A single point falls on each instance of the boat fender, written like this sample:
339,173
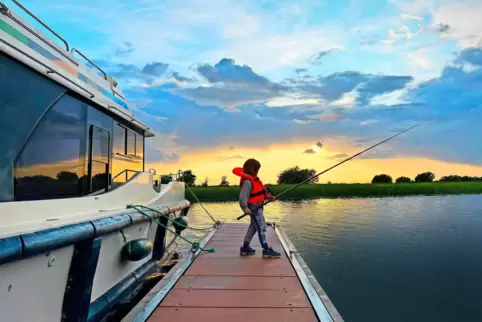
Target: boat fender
136,249
180,223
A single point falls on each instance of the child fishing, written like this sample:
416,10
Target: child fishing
252,196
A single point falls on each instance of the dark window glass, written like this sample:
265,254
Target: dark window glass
131,143
100,180
99,167
119,139
52,161
100,145
24,96
139,147
126,165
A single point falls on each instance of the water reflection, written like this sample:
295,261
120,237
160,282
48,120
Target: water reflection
385,259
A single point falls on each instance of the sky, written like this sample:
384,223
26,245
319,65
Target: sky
306,82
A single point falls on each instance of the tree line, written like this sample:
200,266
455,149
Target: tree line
423,177
295,175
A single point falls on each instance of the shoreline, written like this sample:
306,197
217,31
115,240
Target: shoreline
343,190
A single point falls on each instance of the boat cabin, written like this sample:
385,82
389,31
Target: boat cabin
65,128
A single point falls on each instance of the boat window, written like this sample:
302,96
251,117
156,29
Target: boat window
52,163
24,96
127,159
119,139
139,146
131,143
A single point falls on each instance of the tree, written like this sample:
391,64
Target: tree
425,177
224,182
382,178
451,178
205,182
189,177
296,175
403,180
66,176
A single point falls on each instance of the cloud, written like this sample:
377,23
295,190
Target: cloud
340,156
319,144
226,71
405,16
301,70
463,18
155,69
376,154
377,85
273,49
182,79
335,86
319,55
126,49
442,28
472,56
231,85
230,157
309,151
149,73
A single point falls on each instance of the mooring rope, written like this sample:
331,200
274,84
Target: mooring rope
195,246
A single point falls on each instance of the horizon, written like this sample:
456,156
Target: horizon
304,83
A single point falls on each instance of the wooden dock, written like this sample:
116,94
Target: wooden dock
225,286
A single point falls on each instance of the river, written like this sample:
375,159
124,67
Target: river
385,259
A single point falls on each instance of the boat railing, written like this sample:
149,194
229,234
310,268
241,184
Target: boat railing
125,172
74,50
5,10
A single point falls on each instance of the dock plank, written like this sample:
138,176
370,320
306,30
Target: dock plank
237,315
225,286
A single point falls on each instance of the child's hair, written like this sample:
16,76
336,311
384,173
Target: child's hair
251,167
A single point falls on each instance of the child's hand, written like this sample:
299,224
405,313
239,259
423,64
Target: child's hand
248,212
272,198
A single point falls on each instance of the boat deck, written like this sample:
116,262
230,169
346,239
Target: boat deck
225,286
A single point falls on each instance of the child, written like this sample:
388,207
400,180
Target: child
253,194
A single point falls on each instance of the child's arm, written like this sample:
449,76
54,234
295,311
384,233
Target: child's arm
244,196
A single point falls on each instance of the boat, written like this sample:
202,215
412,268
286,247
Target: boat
82,221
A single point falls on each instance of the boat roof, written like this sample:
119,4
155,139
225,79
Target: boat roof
22,41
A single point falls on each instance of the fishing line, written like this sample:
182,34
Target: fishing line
336,165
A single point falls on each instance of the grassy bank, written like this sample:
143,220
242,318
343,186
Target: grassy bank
344,190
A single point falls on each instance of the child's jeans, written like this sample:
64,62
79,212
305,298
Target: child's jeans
258,224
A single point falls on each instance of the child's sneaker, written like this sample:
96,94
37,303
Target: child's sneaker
246,251
270,253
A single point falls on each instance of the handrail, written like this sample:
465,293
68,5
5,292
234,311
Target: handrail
49,69
74,50
42,23
125,171
5,10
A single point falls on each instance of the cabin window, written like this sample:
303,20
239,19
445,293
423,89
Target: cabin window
128,158
24,96
51,164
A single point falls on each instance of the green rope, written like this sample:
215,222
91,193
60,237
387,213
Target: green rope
177,223
195,246
217,222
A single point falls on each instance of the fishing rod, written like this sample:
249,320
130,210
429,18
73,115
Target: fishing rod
336,165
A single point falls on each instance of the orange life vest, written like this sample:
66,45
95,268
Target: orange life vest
258,192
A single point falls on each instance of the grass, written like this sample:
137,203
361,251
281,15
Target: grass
311,191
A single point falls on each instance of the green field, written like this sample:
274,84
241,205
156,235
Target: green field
311,191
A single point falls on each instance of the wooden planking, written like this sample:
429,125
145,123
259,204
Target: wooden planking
236,298
234,315
225,286
239,283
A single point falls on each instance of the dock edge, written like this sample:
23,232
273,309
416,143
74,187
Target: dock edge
322,305
165,285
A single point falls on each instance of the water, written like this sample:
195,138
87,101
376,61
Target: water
385,259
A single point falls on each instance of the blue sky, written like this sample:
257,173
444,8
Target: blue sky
232,73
